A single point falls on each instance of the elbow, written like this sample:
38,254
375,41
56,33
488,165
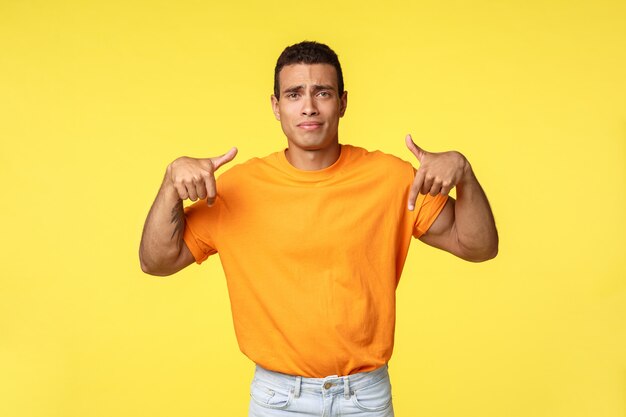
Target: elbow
482,257
484,253
494,247
146,268
152,269
487,255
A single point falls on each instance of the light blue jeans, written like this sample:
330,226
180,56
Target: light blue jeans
366,394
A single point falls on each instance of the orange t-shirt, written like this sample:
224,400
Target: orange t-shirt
312,258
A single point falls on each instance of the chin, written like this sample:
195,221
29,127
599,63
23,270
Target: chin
314,146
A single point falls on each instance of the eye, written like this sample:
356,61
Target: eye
324,94
291,95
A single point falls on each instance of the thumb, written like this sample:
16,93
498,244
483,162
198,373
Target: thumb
221,160
415,150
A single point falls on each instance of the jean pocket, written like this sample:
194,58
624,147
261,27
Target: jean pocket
375,397
270,396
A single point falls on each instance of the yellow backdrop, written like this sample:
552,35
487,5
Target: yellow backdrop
96,98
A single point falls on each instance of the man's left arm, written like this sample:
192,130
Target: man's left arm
465,227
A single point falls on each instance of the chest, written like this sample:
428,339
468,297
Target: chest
317,218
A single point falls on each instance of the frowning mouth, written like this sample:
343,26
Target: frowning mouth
309,125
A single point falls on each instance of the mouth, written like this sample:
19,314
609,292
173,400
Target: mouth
310,125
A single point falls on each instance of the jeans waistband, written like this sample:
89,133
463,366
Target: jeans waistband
332,382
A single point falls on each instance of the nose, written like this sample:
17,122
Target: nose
308,106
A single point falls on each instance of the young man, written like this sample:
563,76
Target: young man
313,240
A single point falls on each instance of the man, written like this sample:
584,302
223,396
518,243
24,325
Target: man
313,240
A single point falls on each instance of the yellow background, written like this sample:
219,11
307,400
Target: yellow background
96,98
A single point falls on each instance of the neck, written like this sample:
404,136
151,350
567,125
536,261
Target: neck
313,160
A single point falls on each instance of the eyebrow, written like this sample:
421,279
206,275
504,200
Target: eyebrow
316,87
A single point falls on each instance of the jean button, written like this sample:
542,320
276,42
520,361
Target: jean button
327,385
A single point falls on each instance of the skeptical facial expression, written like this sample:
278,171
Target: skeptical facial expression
309,106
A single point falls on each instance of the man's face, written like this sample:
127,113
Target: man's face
309,107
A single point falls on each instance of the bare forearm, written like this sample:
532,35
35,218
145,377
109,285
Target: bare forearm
162,237
474,223
162,250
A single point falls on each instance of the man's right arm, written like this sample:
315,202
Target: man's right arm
162,250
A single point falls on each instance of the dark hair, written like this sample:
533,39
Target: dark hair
307,52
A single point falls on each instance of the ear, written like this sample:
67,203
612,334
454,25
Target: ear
275,108
343,103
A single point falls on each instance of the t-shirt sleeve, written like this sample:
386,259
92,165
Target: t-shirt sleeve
199,221
428,208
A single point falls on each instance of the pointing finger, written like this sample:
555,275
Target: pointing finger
209,181
415,189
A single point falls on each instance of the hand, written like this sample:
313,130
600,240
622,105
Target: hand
438,172
194,178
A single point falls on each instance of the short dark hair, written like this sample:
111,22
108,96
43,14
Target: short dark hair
307,52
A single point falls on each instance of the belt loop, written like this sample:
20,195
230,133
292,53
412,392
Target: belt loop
297,387
346,387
